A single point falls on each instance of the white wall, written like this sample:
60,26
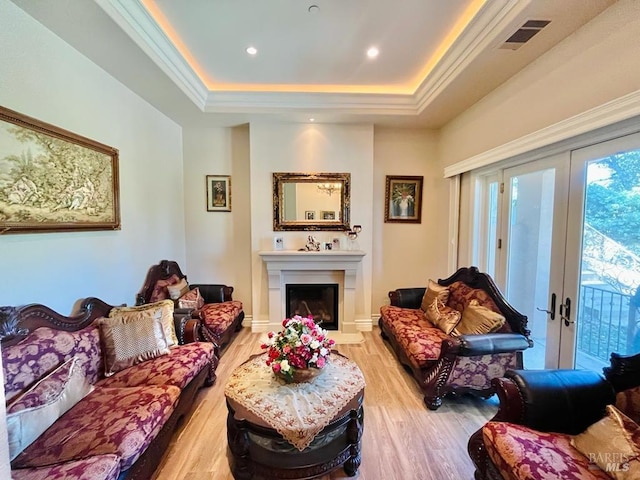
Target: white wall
596,64
309,148
45,78
218,243
407,255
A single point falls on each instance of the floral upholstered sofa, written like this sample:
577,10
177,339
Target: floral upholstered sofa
455,335
95,395
564,424
221,316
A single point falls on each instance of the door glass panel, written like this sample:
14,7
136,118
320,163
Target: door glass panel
492,229
608,313
529,254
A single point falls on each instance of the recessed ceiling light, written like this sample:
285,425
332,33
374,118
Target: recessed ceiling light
312,120
252,50
372,52
314,9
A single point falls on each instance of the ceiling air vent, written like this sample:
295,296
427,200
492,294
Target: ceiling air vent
525,33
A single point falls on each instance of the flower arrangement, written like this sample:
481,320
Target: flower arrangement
301,345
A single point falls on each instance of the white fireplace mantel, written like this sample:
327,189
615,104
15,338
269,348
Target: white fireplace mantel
327,266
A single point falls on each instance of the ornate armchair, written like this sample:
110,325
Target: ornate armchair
444,363
541,411
220,316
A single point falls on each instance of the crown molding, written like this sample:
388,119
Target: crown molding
484,29
273,102
618,110
134,19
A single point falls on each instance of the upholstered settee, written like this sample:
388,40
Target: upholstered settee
95,395
446,357
561,424
220,316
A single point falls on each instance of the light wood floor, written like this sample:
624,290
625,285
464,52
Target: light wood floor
402,440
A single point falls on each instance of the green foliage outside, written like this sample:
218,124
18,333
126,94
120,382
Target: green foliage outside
613,204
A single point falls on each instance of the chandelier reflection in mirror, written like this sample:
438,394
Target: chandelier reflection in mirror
329,188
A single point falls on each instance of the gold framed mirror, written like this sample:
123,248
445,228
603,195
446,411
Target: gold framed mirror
311,201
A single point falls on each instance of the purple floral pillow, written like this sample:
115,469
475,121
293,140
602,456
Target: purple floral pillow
38,408
160,291
46,390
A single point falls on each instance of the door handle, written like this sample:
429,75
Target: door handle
567,312
552,312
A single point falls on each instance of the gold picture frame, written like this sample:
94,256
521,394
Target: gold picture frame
218,193
403,199
53,180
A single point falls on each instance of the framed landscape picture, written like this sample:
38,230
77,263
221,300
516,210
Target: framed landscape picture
53,180
218,193
403,199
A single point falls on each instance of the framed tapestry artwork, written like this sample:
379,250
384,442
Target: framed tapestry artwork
218,193
403,199
53,180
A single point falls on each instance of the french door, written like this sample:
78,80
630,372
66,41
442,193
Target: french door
531,248
603,274
568,252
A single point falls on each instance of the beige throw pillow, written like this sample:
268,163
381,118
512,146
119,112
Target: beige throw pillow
443,317
434,290
178,289
165,309
609,444
191,299
129,338
477,320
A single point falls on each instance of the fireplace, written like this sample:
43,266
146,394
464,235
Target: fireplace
318,300
327,267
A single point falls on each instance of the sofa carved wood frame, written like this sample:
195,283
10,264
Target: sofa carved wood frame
16,323
433,377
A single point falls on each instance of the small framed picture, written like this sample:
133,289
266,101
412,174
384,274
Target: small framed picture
403,199
278,243
309,215
336,243
327,215
218,193
328,246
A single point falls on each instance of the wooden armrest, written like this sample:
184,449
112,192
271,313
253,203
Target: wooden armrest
187,327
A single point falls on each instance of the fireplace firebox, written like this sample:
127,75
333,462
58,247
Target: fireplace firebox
320,301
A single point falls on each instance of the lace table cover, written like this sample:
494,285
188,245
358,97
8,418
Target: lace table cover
298,411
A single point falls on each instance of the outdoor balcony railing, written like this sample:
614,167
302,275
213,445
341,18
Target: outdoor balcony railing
608,322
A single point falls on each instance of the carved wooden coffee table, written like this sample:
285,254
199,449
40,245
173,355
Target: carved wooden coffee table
270,439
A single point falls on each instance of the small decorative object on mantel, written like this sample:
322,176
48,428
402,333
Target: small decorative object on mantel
312,245
298,353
